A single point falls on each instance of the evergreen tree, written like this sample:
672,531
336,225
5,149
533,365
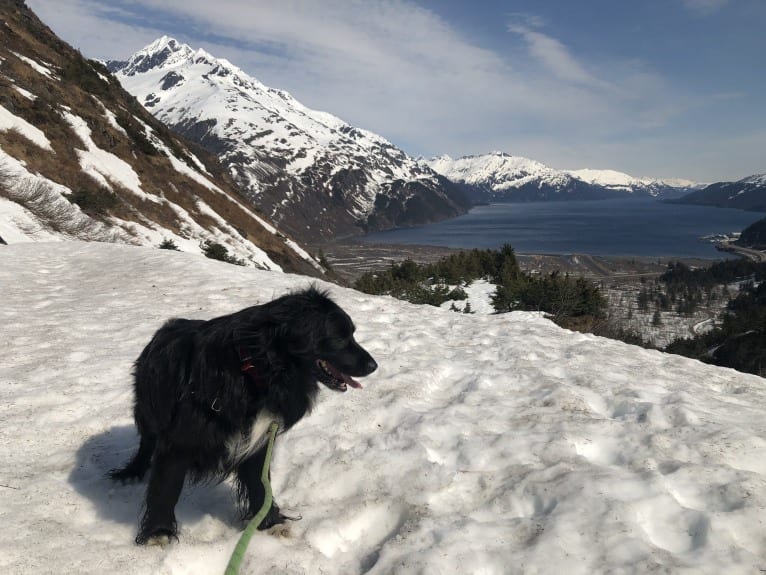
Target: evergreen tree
168,244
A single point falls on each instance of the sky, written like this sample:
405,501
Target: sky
656,88
530,450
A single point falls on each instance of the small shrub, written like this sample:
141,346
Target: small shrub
169,244
94,202
136,134
216,251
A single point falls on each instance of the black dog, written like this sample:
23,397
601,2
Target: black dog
206,392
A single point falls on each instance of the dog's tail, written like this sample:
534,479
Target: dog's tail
139,465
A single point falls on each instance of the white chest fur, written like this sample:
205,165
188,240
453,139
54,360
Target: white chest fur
242,445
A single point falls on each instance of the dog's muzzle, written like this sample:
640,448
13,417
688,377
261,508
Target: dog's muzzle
334,378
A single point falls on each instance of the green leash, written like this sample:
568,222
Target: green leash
239,551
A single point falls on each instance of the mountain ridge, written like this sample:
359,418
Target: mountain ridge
81,159
498,176
746,194
310,171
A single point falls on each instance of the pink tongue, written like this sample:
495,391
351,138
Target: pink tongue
351,381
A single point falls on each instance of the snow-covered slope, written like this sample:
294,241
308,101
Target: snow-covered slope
498,170
307,169
483,444
745,194
501,176
79,159
622,181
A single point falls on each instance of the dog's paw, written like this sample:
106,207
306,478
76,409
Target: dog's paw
160,540
158,537
273,517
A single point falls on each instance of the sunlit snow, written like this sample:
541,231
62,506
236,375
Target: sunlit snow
36,66
103,166
483,444
9,121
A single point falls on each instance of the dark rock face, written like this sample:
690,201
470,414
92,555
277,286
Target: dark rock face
171,80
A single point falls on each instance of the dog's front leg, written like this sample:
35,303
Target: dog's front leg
252,491
158,524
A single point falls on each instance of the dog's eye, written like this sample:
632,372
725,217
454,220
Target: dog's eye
338,343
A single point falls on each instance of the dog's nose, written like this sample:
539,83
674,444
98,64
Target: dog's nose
371,366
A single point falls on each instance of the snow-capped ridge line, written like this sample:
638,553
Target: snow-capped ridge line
292,160
500,175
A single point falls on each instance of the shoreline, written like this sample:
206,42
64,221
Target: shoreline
350,258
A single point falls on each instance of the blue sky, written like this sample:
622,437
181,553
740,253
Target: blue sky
660,88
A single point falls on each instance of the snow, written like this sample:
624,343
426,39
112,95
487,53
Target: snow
185,170
110,117
18,225
9,121
178,165
479,294
758,179
104,167
483,444
248,114
36,66
604,177
26,93
615,179
502,171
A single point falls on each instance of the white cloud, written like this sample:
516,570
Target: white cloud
554,56
93,28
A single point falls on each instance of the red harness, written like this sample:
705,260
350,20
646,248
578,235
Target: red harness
248,368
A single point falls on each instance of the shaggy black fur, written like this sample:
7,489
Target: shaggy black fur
199,416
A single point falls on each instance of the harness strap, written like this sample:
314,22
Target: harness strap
247,367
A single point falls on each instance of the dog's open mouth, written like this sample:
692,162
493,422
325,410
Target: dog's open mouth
334,378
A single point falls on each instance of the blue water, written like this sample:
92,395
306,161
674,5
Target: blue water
629,227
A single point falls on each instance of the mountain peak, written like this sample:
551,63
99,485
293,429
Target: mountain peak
162,53
293,162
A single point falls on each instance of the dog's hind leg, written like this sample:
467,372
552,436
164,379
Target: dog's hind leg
137,467
252,492
158,524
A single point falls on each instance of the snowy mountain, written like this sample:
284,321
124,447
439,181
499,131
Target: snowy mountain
615,180
495,444
746,194
501,177
80,159
312,173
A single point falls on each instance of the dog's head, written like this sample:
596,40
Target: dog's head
319,333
